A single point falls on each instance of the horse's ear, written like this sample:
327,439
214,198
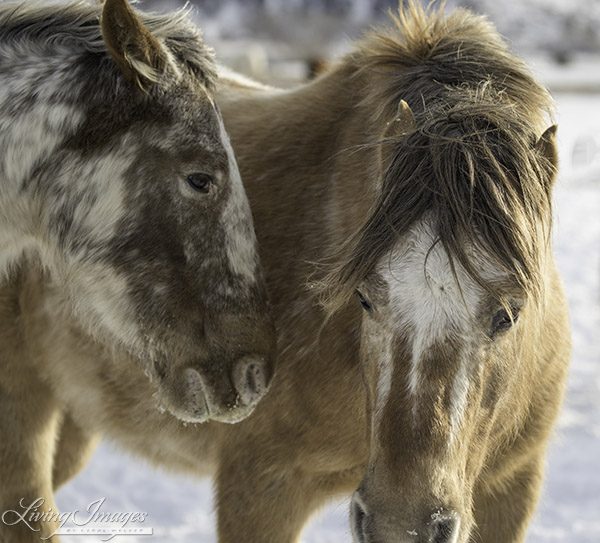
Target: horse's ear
546,147
400,126
135,50
403,123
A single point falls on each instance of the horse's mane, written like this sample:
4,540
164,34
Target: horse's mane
41,25
470,164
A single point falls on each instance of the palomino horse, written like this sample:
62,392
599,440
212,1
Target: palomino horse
119,181
417,174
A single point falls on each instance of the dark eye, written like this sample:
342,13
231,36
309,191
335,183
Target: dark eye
200,182
502,320
363,301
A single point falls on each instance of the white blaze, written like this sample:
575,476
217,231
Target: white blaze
425,305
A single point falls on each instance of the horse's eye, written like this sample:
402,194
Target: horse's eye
200,182
363,301
502,320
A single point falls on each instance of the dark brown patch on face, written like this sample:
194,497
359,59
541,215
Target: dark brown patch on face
177,242
396,424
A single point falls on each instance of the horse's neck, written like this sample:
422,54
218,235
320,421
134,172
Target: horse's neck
17,224
308,183
33,125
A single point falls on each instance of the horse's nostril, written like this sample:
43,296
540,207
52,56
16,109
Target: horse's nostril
445,528
250,380
358,517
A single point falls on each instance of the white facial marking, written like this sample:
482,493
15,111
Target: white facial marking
458,398
427,305
237,221
383,338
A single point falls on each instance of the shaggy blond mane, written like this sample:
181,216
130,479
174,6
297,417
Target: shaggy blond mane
471,163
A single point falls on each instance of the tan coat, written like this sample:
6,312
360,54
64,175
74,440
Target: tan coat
433,464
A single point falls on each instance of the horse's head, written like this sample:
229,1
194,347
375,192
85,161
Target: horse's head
150,228
449,270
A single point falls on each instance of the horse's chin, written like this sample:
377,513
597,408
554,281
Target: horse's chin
198,411
193,418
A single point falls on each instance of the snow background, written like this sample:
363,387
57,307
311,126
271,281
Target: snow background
180,509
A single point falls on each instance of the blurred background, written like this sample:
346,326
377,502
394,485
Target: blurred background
279,40
284,42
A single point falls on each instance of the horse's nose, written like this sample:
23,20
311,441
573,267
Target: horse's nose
444,527
197,394
251,377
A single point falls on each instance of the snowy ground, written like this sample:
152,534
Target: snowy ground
570,509
180,509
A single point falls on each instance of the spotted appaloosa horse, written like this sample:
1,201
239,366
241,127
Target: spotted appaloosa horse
118,180
417,172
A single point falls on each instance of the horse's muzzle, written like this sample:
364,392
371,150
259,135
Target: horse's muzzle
196,395
440,527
